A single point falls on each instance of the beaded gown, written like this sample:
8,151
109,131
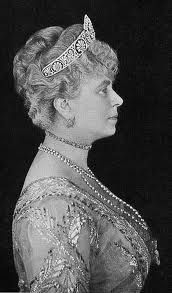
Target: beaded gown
65,240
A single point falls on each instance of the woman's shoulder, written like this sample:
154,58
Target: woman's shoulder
45,191
43,183
42,168
39,189
36,187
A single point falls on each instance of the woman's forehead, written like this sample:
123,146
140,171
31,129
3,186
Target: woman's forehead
97,80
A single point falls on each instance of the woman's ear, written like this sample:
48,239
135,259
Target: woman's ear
62,106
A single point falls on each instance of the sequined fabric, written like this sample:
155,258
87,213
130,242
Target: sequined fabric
65,240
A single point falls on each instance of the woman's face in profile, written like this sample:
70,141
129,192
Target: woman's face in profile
96,106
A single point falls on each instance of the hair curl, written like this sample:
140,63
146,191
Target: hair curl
43,47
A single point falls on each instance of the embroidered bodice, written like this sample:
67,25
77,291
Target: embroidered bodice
66,240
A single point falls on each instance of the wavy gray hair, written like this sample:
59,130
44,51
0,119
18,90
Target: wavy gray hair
43,47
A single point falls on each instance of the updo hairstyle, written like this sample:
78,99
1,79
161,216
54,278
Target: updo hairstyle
43,47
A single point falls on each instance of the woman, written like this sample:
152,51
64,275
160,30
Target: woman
70,233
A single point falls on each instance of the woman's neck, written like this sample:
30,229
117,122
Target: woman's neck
77,155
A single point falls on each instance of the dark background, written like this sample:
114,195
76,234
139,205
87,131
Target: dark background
133,163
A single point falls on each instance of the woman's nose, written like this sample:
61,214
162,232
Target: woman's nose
116,99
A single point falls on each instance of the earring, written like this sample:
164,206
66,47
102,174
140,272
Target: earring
63,104
70,122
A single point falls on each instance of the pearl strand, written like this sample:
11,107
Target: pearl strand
143,224
117,198
90,174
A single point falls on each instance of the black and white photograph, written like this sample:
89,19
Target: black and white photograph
85,205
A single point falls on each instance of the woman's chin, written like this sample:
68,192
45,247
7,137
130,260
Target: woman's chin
110,131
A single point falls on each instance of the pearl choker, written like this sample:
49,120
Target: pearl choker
74,144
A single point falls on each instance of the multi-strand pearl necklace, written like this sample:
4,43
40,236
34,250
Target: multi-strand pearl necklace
90,174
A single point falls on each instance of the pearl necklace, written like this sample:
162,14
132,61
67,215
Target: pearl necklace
74,144
90,174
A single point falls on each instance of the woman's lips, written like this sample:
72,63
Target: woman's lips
113,117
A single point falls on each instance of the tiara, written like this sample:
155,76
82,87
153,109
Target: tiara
74,51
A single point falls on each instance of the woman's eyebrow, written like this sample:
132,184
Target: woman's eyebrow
105,82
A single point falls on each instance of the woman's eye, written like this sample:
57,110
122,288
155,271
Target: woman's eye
104,91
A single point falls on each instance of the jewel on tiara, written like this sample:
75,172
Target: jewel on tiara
74,51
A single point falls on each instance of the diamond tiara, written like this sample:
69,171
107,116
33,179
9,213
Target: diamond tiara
74,51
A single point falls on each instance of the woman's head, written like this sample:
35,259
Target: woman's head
40,92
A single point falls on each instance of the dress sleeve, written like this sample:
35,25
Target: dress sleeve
54,238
